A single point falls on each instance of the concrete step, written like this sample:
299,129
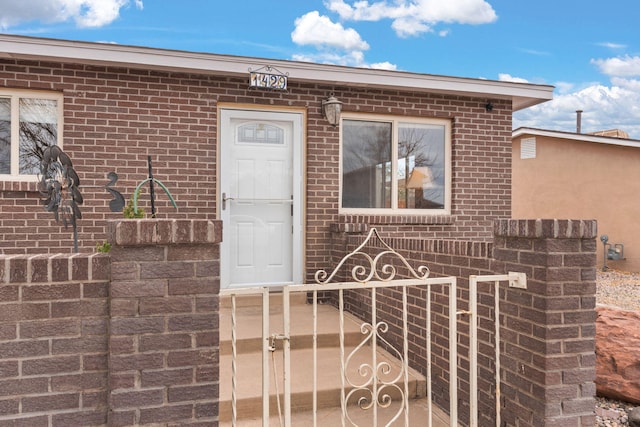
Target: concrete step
249,325
249,383
249,341
418,416
255,300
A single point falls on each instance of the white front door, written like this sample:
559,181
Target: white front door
260,195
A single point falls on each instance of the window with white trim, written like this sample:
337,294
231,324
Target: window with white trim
395,165
30,122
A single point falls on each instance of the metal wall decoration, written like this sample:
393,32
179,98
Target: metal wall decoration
268,78
117,203
151,180
58,185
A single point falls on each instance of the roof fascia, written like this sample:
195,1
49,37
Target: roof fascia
580,137
522,95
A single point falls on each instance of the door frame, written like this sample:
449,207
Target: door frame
226,112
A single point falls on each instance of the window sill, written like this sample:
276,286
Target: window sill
24,186
397,219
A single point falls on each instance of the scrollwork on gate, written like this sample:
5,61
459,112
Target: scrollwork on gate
365,273
376,383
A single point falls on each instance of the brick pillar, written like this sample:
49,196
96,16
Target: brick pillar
163,338
548,338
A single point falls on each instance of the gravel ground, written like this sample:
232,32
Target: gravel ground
612,413
620,289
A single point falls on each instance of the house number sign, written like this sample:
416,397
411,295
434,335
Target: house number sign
267,78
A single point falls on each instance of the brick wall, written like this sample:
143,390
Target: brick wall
115,117
126,339
164,341
547,330
53,334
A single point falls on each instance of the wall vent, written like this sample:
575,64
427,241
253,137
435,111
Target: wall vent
528,148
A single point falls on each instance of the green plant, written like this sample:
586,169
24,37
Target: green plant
129,212
104,247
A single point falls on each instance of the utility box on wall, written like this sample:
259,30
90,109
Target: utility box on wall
615,251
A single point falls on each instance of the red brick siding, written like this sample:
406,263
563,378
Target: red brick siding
115,117
53,329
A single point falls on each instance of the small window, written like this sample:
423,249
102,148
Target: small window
29,123
395,165
260,133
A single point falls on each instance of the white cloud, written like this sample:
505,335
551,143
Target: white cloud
85,13
626,66
318,30
564,87
503,77
413,17
535,52
386,65
612,106
612,45
409,26
335,44
605,107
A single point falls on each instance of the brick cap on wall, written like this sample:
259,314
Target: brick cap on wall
139,232
52,268
546,228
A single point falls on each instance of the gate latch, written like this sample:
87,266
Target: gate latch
276,337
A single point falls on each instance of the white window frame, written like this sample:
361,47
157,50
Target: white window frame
395,122
15,95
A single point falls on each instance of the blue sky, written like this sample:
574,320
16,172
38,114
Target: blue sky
589,50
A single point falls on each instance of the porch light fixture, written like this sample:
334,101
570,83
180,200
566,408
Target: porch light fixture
331,109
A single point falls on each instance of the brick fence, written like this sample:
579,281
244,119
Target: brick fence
126,339
133,338
54,313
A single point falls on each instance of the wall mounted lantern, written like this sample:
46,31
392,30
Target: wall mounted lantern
331,109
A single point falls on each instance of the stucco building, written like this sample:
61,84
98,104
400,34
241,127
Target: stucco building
575,175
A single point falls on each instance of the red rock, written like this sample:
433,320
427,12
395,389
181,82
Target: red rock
618,354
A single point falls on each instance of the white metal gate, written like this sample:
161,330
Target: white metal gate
374,389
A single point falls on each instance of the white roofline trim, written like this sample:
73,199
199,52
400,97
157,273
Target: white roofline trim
523,95
580,137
